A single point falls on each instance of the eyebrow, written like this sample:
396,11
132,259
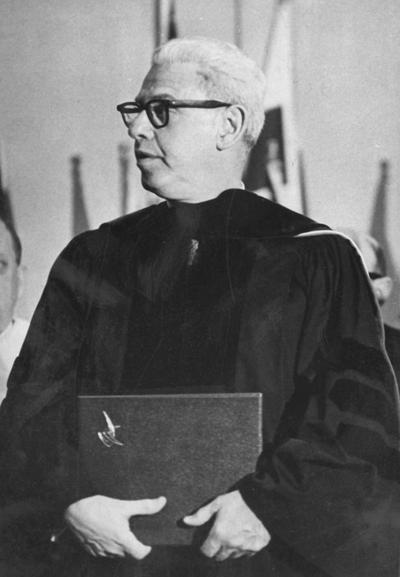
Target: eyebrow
162,95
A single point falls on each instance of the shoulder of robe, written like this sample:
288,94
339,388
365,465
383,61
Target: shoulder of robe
135,222
257,217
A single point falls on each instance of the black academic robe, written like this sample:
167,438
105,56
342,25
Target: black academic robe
219,296
392,345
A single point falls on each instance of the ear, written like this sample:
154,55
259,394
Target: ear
382,288
231,125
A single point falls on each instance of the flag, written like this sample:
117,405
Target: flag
6,212
172,27
165,21
379,218
124,161
275,172
80,221
379,212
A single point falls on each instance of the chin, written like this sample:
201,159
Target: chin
153,188
162,189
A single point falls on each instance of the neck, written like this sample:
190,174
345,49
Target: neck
203,193
204,182
203,186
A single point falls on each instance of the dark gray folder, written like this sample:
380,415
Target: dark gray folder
189,448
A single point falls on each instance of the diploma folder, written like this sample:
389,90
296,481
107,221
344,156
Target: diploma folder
187,447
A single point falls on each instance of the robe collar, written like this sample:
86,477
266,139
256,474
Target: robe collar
235,213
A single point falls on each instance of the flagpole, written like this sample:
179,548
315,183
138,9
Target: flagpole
271,33
237,21
3,166
163,8
303,184
157,22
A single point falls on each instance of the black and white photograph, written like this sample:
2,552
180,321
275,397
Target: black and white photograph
199,288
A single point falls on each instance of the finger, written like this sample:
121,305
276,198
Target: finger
135,548
237,554
115,555
94,549
210,547
143,506
202,515
91,550
258,543
223,554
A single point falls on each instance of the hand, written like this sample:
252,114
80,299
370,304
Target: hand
236,530
101,524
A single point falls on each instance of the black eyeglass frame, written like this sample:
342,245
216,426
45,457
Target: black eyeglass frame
135,108
375,275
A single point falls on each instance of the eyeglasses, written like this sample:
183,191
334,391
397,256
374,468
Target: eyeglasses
157,110
374,275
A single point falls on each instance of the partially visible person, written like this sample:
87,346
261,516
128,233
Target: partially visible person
12,329
382,285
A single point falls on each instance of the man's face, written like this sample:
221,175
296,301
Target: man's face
9,278
176,159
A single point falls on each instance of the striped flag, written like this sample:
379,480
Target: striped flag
273,169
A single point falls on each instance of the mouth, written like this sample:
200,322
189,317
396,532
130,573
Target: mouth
143,155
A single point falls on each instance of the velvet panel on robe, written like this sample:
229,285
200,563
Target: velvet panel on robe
392,345
219,296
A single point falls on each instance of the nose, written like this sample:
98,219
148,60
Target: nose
140,127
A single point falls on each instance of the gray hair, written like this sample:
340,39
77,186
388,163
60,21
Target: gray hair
227,74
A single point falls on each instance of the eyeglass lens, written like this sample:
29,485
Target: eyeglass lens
158,113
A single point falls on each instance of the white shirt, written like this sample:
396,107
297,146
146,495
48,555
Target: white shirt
11,340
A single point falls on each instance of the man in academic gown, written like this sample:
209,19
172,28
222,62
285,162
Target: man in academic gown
220,289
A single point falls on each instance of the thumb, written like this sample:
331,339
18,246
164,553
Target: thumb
202,515
144,506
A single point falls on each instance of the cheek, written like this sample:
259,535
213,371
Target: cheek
190,153
187,140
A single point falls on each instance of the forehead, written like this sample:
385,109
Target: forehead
177,80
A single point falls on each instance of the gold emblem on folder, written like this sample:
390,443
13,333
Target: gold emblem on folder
107,437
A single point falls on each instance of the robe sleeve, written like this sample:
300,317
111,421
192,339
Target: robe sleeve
38,418
327,486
